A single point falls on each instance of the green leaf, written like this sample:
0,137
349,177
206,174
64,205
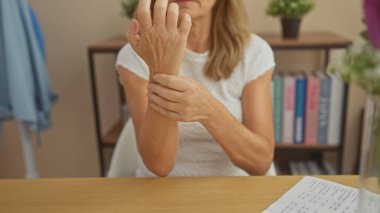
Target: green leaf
129,7
290,8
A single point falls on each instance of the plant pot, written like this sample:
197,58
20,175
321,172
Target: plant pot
370,159
291,28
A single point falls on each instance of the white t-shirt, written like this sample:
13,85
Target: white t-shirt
199,154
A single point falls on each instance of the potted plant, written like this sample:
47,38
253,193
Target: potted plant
129,7
361,65
291,13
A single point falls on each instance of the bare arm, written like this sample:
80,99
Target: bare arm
250,146
157,136
160,42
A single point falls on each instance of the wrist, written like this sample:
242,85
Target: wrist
167,71
215,114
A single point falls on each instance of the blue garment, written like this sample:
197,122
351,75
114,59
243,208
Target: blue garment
38,31
25,92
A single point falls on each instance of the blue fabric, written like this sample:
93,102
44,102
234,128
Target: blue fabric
25,92
38,31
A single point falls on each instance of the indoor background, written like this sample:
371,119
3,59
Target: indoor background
69,148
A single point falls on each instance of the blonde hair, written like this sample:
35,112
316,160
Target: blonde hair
230,34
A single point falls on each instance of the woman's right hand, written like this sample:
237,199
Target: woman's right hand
160,41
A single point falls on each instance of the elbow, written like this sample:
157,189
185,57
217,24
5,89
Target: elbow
258,169
159,164
160,172
267,160
159,169
266,163
262,169
255,169
257,166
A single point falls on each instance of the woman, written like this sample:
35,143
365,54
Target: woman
198,89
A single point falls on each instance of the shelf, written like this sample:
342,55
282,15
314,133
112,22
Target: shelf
111,137
110,45
307,40
303,147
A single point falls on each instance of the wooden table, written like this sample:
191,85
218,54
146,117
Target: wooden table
236,194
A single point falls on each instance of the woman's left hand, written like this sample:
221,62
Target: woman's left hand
181,99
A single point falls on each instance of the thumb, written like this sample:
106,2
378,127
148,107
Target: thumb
133,35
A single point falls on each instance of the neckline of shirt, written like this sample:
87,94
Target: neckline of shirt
189,54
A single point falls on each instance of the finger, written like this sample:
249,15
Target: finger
171,82
166,113
168,94
172,17
133,33
185,24
144,14
163,103
159,17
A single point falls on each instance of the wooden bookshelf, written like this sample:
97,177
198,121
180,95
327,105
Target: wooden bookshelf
322,41
308,40
109,45
307,147
111,137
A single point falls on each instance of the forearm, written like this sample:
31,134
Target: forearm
247,150
160,42
158,142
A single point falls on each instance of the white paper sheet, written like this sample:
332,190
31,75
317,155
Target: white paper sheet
316,195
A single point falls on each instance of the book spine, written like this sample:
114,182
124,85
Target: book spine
336,111
324,107
312,109
278,103
314,168
294,170
299,121
303,169
329,168
288,120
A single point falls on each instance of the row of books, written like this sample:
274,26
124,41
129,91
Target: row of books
302,168
308,108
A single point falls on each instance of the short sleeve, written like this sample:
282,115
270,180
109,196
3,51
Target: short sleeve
259,59
130,60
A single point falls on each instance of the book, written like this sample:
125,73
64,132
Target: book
313,168
324,107
288,110
336,111
303,168
329,169
293,166
312,110
278,106
300,101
